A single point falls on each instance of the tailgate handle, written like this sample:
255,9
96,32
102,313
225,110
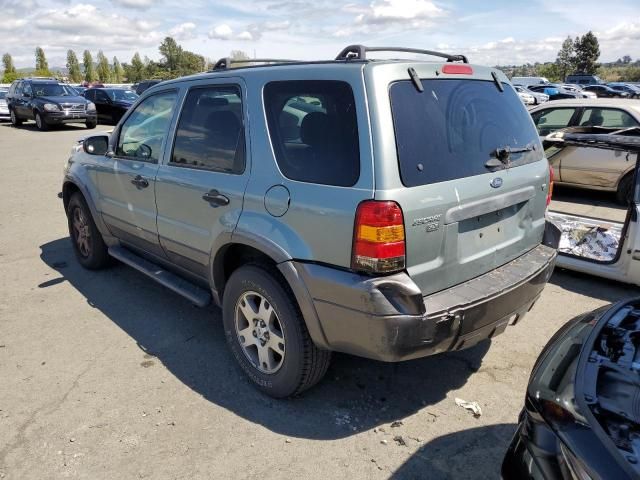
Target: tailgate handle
480,207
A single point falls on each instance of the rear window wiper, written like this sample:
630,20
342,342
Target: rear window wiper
502,155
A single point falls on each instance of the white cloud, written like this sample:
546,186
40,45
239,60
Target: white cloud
246,35
137,4
221,32
184,31
9,24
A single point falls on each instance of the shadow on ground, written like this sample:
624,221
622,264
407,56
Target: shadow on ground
356,394
592,286
31,126
473,453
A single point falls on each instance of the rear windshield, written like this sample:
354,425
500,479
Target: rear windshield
454,127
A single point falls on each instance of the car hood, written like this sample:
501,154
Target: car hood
63,99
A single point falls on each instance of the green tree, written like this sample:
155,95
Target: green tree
10,73
172,54
192,63
550,71
566,59
103,70
136,72
118,72
87,63
587,53
626,59
42,66
73,67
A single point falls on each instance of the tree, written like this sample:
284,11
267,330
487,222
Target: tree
42,66
587,53
87,62
118,72
550,71
626,59
172,53
103,70
192,63
73,67
136,71
566,59
10,73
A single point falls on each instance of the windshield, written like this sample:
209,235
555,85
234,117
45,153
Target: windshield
117,94
454,127
52,90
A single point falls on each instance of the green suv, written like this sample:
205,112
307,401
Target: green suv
390,209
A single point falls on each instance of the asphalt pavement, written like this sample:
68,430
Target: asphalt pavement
107,375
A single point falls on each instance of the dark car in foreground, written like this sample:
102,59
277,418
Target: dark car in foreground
48,102
581,418
111,103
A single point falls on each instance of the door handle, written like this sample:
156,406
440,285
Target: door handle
215,198
140,182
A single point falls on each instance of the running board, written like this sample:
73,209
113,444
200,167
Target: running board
198,296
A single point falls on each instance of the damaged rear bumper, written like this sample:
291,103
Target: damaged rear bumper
388,319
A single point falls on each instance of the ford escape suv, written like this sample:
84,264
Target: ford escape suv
390,209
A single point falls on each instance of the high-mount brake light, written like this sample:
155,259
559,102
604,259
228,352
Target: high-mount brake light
457,69
378,237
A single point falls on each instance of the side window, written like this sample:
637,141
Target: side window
18,90
101,96
607,117
314,131
90,94
210,132
143,133
26,89
548,121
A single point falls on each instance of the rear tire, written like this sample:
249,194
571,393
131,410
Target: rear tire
255,293
15,121
91,125
41,123
624,194
87,241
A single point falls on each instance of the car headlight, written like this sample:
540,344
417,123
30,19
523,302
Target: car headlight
91,107
51,107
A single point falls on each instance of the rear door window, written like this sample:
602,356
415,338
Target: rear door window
313,130
607,117
454,127
550,120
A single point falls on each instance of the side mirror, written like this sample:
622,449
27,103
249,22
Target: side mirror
97,145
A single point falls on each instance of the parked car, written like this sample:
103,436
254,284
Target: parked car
537,96
382,232
525,96
111,103
527,81
578,90
603,91
140,87
580,418
48,102
632,90
4,109
583,79
587,167
555,92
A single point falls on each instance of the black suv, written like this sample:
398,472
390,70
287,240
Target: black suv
143,85
48,102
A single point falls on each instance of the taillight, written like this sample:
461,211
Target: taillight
457,69
378,237
550,189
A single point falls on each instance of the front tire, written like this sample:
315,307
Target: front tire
267,335
624,194
15,121
41,123
91,125
87,241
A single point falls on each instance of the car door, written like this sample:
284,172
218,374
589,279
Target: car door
127,181
20,101
549,120
104,106
200,190
90,94
595,166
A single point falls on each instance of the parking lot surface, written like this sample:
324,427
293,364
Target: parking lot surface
107,375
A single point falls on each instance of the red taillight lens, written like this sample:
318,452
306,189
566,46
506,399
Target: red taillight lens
378,237
457,69
550,189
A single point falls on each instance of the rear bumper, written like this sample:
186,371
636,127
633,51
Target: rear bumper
388,319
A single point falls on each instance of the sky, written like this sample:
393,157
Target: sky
489,32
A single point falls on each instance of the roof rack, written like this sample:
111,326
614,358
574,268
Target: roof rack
359,52
226,62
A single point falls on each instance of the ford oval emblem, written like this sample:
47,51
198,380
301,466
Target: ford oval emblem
496,182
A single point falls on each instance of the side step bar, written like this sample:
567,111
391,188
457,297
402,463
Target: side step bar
198,296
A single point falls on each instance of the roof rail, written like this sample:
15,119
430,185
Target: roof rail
359,52
226,62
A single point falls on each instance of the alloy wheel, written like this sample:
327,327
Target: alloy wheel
81,232
259,332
